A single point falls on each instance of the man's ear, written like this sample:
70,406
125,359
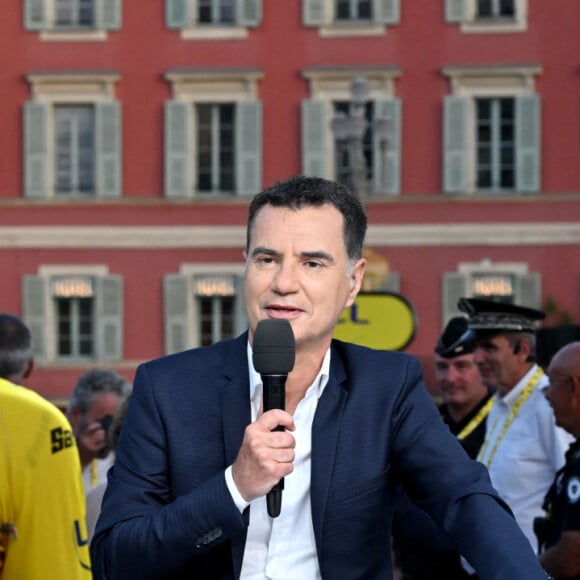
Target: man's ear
29,369
356,278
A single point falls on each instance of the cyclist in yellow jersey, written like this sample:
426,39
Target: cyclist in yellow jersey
42,504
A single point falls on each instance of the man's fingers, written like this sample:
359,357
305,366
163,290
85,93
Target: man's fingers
275,417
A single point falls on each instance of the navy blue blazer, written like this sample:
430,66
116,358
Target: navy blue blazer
167,512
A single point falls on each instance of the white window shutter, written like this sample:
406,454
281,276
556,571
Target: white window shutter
34,302
176,13
248,147
455,144
314,12
387,11
456,10
249,12
453,287
35,15
108,149
240,318
314,127
387,156
528,159
177,296
177,151
108,14
109,317
393,283
35,149
528,291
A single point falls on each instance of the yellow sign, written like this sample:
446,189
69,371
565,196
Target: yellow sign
382,320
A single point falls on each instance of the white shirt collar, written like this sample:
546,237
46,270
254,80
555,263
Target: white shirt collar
318,385
510,397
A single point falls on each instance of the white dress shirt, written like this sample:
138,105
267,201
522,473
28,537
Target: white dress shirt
283,548
524,462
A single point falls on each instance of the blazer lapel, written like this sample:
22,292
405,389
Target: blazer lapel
236,397
325,430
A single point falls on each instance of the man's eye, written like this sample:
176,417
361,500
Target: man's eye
311,264
264,260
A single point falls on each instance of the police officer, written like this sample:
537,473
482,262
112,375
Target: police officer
523,448
559,533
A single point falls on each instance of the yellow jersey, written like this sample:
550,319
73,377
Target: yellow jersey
42,502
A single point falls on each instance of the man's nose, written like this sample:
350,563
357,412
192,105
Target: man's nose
286,279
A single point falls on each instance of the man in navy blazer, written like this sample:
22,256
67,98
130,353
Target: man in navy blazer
197,454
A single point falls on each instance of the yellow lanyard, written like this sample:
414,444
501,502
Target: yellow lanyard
474,423
94,474
528,389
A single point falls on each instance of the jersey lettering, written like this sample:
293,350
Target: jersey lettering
61,439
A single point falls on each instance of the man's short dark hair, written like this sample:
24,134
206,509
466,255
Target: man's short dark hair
15,347
300,191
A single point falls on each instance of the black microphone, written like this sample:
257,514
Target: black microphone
273,353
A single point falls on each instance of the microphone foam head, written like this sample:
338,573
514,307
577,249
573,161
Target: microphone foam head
273,347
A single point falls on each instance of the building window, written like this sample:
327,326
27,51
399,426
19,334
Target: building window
215,296
74,149
495,133
491,131
344,154
74,312
203,305
213,19
216,11
496,8
508,282
213,134
350,17
353,10
215,148
72,137
326,154
74,20
488,16
74,13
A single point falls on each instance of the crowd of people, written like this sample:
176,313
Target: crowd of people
170,479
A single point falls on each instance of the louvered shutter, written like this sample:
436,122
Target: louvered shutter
109,317
387,156
176,297
314,138
528,159
177,152
453,287
108,149
35,150
34,301
455,144
248,148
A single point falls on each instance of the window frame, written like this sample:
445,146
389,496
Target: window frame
181,314
459,283
328,86
322,15
193,87
41,314
472,82
40,16
464,13
182,15
49,90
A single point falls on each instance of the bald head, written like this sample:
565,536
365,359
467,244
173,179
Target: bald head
567,359
563,392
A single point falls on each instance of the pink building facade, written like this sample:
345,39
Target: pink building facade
134,134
